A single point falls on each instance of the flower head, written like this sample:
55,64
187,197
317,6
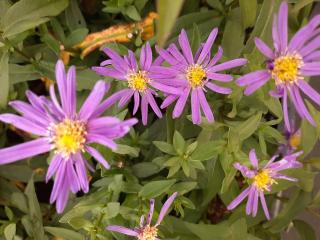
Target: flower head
192,74
140,84
288,64
261,180
146,231
65,132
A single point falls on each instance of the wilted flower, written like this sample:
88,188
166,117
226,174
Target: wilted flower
137,77
64,131
146,231
288,64
193,74
261,180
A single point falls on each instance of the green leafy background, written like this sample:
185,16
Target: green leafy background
167,155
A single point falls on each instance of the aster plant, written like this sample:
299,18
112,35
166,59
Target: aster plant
193,75
288,64
261,180
146,231
65,132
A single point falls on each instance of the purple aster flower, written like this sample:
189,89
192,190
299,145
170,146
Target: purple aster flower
146,231
261,180
62,130
288,64
192,75
137,77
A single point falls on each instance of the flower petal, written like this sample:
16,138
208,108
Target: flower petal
165,208
71,92
219,77
263,48
239,199
177,111
208,45
253,158
96,155
254,86
283,26
23,124
205,106
124,230
195,107
93,100
24,150
153,104
264,205
136,102
150,214
229,64
285,111
144,110
185,46
253,77
309,91
217,88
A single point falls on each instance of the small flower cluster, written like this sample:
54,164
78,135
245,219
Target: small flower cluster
69,133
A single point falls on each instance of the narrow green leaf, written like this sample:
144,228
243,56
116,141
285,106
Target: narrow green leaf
168,11
27,14
156,188
248,12
64,233
4,77
248,127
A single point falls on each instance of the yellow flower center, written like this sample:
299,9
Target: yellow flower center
138,81
286,69
195,75
295,140
263,180
148,233
68,137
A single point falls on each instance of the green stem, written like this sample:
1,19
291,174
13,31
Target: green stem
170,124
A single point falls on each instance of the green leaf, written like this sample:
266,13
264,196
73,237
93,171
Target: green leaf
4,77
156,188
305,230
248,12
74,17
9,213
248,127
207,150
233,35
184,187
309,137
132,13
196,38
22,73
165,147
112,210
75,37
262,27
168,11
145,169
178,143
27,14
125,149
34,211
10,231
64,233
